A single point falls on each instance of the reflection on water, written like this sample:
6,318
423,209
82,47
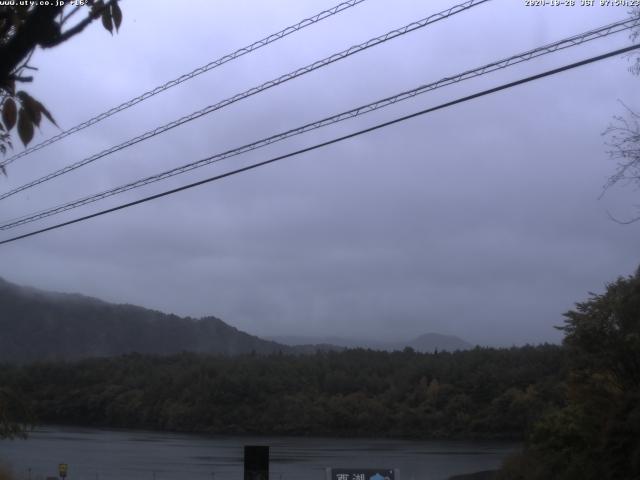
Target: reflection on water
133,455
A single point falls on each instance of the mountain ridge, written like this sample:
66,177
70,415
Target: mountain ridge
42,325
427,342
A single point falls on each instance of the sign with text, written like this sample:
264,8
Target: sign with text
362,474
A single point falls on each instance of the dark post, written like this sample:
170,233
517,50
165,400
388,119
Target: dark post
256,462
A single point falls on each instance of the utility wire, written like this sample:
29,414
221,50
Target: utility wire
330,142
252,91
188,76
361,110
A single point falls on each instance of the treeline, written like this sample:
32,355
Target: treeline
484,392
596,434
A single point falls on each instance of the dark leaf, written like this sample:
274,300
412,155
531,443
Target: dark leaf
35,108
9,113
96,8
36,115
47,114
31,106
106,20
2,167
25,126
116,14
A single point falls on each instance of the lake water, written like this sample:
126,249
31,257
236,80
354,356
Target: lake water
94,454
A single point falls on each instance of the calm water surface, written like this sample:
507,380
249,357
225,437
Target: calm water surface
94,454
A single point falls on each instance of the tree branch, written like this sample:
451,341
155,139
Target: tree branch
622,222
21,79
79,27
70,14
39,26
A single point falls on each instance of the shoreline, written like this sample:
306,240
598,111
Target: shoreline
497,439
482,475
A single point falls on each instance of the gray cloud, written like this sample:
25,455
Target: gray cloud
482,220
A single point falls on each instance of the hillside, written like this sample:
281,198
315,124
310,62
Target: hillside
40,325
428,342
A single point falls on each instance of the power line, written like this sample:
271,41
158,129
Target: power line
330,142
252,91
188,76
361,110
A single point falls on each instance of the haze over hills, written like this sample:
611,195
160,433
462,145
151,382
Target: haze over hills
428,342
41,325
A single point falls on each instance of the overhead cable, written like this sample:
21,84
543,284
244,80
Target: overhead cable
252,91
355,112
187,76
330,142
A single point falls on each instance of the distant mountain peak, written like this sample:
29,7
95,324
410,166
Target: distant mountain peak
427,342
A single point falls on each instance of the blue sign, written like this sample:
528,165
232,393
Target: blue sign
362,474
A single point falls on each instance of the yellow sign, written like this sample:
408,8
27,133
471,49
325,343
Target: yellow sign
62,469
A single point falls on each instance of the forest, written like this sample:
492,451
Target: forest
484,392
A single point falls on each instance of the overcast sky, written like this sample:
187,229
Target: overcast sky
481,220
